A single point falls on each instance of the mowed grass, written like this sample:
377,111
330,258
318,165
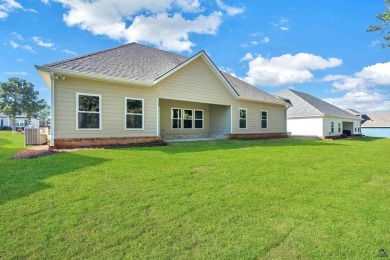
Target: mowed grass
280,198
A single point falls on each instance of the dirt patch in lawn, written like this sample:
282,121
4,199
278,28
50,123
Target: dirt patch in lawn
34,152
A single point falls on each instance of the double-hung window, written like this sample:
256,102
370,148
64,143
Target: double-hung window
243,118
187,118
176,118
198,119
339,127
88,111
134,114
332,127
264,119
20,123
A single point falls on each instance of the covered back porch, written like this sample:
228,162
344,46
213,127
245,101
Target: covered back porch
183,120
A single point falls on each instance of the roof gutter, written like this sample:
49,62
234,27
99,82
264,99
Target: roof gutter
264,101
42,70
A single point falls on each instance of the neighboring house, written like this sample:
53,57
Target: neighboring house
378,125
310,116
363,117
21,121
134,93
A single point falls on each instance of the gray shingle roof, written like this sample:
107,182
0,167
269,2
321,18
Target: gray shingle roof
378,120
306,105
353,111
134,61
131,61
246,90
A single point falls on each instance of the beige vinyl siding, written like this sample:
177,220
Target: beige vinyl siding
165,119
276,117
193,83
113,109
220,120
196,83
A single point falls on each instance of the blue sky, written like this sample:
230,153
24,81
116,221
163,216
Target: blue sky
318,47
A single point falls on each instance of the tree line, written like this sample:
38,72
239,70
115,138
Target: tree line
19,97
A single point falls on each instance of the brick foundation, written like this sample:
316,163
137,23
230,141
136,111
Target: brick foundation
258,136
107,142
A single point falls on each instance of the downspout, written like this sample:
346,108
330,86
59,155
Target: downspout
52,109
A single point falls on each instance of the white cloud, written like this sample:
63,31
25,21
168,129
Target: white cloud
28,48
265,40
247,56
254,43
378,74
230,9
17,36
24,47
162,30
287,69
343,82
14,44
30,10
45,1
363,101
374,43
361,88
228,70
7,7
161,23
370,76
39,41
23,73
282,24
69,52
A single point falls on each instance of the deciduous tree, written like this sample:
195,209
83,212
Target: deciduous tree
18,96
384,26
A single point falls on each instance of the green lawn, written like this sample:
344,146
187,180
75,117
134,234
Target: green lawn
281,198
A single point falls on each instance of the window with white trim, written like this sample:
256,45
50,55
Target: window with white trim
176,118
88,111
134,113
20,123
339,127
264,119
332,127
187,118
243,118
198,118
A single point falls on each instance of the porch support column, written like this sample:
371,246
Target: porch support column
52,116
231,119
158,116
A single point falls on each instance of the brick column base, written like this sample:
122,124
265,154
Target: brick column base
258,136
70,143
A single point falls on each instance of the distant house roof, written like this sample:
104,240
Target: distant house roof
17,116
306,105
353,111
378,120
141,63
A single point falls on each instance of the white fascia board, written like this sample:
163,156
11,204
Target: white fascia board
209,63
262,101
83,75
343,117
305,116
